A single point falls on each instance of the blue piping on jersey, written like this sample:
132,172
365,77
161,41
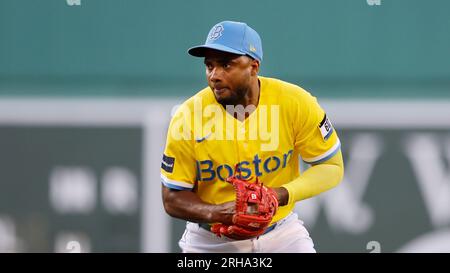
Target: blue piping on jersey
175,187
329,134
325,158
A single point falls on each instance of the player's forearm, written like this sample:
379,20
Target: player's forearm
188,206
317,179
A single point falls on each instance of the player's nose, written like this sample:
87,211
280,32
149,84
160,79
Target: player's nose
215,74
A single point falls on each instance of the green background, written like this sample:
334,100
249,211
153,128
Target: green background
343,48
28,156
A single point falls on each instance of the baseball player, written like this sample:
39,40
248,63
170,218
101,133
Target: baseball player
231,163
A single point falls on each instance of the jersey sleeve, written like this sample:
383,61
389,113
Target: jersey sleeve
316,140
178,166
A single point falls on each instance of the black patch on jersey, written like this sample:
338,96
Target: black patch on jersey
168,163
325,127
323,120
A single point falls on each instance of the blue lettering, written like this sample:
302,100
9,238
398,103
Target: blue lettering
256,162
266,164
246,170
285,156
207,172
208,169
219,170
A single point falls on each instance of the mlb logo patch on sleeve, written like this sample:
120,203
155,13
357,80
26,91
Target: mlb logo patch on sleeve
168,163
326,129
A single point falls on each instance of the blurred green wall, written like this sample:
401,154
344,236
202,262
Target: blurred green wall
333,48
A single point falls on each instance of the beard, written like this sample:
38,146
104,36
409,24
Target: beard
234,98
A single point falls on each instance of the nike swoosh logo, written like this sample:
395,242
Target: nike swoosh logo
202,138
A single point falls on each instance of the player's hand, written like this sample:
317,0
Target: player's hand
224,213
283,195
254,208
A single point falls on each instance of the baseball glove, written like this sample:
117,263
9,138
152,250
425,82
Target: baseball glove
255,206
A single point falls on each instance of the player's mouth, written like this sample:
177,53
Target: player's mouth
220,91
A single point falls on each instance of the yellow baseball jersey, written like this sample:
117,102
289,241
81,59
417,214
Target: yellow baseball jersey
206,144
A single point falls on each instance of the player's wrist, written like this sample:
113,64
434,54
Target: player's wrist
221,213
282,196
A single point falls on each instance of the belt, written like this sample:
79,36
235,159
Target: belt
207,227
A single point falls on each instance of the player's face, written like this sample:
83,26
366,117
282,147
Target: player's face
229,75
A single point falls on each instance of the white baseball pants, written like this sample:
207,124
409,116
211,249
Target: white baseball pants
288,236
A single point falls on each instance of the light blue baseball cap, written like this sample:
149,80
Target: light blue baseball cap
233,37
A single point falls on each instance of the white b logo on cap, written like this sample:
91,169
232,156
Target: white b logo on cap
215,32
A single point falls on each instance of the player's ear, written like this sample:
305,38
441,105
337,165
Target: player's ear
254,66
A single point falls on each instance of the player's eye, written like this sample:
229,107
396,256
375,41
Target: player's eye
209,67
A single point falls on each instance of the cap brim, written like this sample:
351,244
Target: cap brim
199,51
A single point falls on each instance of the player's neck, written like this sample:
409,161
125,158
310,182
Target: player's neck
253,94
251,98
